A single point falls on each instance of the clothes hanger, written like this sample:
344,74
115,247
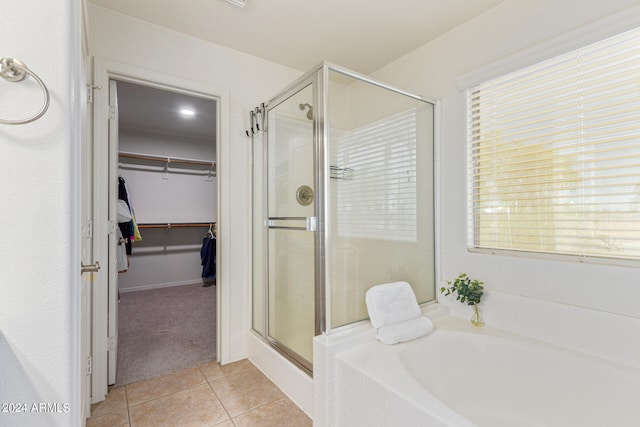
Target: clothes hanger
210,232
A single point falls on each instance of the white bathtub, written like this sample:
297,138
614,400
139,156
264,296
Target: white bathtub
461,376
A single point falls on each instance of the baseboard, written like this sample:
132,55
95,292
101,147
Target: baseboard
159,285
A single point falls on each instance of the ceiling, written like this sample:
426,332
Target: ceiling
362,35
154,110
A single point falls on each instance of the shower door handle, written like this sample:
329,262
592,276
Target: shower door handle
290,223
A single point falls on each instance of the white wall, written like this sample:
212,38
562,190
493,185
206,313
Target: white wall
144,141
39,253
551,300
250,80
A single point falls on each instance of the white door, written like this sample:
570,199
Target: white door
104,286
113,196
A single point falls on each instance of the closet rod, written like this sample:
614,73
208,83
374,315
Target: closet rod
177,225
166,159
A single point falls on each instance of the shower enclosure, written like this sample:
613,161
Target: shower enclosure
343,199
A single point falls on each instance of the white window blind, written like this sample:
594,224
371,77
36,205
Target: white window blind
375,179
554,155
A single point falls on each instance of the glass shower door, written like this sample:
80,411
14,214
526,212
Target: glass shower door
291,226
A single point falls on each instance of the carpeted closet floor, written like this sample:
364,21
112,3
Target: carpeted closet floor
164,330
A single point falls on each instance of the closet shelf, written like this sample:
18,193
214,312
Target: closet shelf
168,225
167,159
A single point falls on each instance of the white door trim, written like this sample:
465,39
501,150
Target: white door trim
104,70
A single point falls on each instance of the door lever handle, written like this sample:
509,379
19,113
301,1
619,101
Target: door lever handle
90,268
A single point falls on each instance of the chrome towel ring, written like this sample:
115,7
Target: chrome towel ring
14,70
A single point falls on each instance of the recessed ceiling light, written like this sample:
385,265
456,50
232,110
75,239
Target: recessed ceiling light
239,3
187,112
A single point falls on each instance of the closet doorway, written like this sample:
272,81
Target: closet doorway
166,199
172,224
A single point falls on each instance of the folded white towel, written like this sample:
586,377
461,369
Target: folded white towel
405,331
391,303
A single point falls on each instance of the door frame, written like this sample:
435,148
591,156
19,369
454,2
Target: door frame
86,219
103,71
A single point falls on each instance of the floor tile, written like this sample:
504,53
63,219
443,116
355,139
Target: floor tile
197,406
161,386
113,419
211,370
239,397
280,413
248,384
247,375
238,366
116,400
238,394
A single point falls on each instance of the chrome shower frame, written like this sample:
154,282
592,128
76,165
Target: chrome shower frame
318,78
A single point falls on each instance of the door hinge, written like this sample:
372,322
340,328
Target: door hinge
112,227
90,89
112,112
112,343
89,229
89,365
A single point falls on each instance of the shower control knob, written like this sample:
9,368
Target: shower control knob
304,195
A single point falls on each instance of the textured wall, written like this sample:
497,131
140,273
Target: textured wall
39,252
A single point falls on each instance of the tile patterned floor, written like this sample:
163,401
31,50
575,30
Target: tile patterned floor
234,395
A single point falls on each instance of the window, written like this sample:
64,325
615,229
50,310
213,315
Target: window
554,155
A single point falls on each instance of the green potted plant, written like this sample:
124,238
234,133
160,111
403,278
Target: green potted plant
469,291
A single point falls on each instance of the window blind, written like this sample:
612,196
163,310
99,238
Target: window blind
376,199
554,155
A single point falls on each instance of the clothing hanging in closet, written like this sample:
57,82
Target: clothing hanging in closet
208,257
129,229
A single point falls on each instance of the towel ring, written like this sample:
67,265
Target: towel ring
14,70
